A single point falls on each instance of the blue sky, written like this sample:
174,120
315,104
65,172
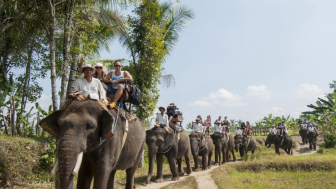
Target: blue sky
248,58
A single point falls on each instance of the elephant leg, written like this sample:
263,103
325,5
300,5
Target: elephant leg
172,165
180,168
110,183
226,156
233,155
101,175
159,162
204,161
195,156
85,174
187,160
217,155
209,159
131,171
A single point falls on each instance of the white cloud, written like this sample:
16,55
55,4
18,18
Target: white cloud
220,98
308,92
259,91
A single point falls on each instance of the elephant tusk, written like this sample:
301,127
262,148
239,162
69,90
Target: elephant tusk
78,163
55,169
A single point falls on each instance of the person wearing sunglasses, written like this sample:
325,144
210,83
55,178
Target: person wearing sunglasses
100,73
116,77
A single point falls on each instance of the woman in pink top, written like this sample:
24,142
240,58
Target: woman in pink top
207,124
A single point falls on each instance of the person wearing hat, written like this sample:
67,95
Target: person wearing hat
162,119
116,77
87,86
238,131
100,73
197,126
273,130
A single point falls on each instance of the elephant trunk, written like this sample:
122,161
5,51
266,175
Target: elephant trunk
150,169
67,158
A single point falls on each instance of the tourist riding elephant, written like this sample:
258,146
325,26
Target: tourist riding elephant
161,143
201,146
280,142
79,127
303,133
312,140
243,144
223,145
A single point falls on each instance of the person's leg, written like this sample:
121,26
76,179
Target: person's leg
117,95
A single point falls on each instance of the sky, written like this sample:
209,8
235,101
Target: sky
246,59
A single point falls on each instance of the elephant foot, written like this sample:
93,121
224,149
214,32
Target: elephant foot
175,178
197,170
189,172
217,163
181,173
234,160
159,180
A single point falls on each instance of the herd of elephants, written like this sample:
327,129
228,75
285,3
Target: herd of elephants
80,129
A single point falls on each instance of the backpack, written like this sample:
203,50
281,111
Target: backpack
171,110
134,95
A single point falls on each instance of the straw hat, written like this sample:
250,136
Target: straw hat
162,107
197,119
87,66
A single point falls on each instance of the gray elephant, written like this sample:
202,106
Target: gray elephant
161,143
312,137
79,127
244,144
201,146
284,143
303,133
223,145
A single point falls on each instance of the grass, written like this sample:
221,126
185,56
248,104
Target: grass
20,163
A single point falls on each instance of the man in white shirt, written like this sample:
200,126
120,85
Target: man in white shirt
238,131
218,125
197,126
162,119
273,130
88,86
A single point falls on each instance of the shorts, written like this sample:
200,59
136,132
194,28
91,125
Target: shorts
110,90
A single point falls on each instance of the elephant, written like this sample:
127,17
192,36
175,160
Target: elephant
223,144
201,146
312,140
161,143
303,133
280,142
79,127
244,145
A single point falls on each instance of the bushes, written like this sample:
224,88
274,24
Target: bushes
330,141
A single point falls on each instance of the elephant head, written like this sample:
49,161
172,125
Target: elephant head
77,128
271,139
197,142
218,138
238,142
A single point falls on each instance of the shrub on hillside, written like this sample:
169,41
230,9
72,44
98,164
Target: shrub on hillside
330,141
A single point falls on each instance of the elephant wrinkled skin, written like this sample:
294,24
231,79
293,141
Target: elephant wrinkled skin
79,127
201,146
243,145
161,143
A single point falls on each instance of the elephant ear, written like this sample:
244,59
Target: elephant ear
106,120
147,134
169,140
212,137
50,123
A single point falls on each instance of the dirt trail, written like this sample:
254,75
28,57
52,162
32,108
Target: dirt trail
204,179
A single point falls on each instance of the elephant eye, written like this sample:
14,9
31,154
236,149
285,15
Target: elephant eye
88,127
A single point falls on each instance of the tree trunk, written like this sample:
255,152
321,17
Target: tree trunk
13,116
51,5
5,122
69,4
73,70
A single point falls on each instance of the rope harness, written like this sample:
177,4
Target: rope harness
169,146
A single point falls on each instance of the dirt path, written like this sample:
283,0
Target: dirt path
204,179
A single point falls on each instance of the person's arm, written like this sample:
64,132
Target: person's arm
101,90
107,78
127,77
